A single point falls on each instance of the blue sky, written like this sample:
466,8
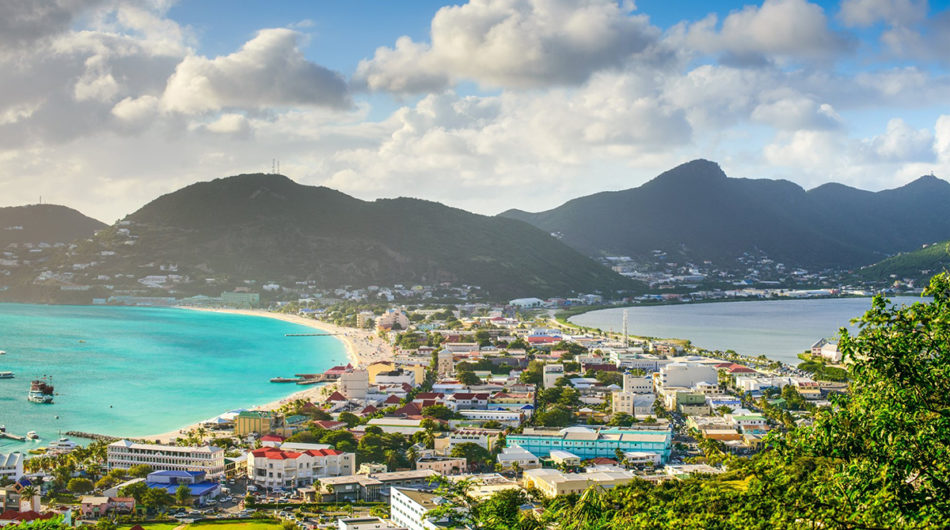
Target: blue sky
485,105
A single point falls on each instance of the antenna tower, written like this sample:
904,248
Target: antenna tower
624,328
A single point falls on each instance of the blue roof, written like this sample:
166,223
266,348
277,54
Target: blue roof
177,473
197,490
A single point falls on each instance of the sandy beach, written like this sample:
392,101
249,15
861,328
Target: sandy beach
363,348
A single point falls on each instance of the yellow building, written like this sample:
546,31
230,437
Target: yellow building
260,422
418,370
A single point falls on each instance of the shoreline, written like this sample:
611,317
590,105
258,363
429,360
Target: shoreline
362,349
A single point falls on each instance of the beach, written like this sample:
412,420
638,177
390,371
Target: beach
363,348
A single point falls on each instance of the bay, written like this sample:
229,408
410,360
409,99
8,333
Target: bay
778,329
137,371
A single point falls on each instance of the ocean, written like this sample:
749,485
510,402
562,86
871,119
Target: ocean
133,371
778,329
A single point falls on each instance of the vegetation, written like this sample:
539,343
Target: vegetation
917,265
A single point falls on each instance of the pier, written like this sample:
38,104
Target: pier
12,436
92,436
310,334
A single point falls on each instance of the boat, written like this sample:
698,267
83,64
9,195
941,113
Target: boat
41,390
32,435
63,445
2,352
6,375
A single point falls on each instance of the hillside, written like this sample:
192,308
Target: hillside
44,223
267,227
919,265
697,212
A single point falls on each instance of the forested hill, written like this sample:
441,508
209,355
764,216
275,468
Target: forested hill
266,226
697,212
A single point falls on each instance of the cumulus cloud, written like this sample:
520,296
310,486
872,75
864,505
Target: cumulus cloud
512,43
269,70
863,13
778,29
26,23
903,143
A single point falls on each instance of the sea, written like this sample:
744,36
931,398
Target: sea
134,371
778,329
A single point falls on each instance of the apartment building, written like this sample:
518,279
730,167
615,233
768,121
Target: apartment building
124,454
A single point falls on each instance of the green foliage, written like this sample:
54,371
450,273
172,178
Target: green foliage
139,471
80,485
182,494
439,412
478,457
383,448
554,416
468,378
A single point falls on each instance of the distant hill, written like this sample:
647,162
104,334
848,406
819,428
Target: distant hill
267,227
697,212
919,265
44,223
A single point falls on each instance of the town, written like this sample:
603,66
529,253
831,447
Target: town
503,403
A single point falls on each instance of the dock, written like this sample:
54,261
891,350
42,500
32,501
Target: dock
92,436
12,436
310,334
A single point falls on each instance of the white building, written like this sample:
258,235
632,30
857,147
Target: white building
634,404
526,303
516,455
408,508
446,363
637,384
551,373
11,466
365,523
272,468
831,353
506,417
394,318
353,383
552,482
124,454
687,374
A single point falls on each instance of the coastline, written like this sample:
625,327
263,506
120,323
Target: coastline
362,347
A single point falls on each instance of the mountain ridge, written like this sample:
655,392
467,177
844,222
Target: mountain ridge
696,211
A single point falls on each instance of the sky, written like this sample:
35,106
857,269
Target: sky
484,105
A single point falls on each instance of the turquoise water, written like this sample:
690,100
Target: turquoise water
141,371
779,329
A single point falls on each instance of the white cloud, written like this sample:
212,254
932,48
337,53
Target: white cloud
776,30
902,143
512,43
863,13
269,70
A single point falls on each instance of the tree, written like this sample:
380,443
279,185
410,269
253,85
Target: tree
351,420
533,374
140,470
554,416
475,455
158,498
439,412
136,490
182,494
80,485
621,419
468,378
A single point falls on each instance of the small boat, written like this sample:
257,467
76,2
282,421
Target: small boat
6,375
32,435
2,352
41,390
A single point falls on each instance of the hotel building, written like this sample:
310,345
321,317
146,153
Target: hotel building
125,454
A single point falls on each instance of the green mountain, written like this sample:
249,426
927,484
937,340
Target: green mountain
697,212
919,265
267,227
44,223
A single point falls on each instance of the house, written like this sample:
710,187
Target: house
410,508
486,438
94,507
272,440
272,468
11,466
443,465
514,454
467,400
371,488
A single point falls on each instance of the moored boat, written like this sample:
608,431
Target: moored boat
41,390
32,435
6,375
